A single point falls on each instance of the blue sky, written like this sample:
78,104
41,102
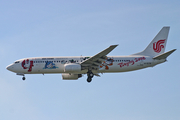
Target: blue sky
74,28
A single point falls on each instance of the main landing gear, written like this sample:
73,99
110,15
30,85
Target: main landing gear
90,76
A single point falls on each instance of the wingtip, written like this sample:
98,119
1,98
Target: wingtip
114,45
167,27
174,50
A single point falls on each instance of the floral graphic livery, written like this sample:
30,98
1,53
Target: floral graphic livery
108,62
50,65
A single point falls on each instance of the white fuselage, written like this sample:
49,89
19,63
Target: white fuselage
46,65
72,68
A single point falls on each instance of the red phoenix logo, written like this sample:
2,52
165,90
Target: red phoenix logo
157,46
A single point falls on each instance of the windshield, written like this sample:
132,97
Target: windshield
16,62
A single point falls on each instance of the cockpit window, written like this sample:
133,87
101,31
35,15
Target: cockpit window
16,62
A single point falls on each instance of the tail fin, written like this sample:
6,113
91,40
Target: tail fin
157,45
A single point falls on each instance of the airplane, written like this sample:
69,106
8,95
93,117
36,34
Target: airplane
73,68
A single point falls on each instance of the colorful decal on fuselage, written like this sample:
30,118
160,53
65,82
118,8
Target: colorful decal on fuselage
108,62
27,64
157,46
63,62
84,58
132,62
50,65
72,61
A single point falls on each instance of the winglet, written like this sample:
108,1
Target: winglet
114,45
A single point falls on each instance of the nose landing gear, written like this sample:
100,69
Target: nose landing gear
23,78
21,74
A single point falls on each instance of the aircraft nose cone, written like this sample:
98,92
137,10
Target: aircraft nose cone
9,67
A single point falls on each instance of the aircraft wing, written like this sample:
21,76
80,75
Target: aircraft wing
96,60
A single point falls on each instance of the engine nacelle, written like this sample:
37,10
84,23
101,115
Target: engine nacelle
67,76
72,67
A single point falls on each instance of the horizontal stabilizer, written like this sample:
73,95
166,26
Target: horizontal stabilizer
164,55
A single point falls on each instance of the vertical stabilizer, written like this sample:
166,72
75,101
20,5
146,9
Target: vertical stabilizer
158,44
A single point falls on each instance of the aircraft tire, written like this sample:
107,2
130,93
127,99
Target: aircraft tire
23,78
91,75
89,79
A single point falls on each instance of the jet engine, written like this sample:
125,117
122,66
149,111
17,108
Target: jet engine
67,76
72,67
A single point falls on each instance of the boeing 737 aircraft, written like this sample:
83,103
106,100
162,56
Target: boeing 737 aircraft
73,68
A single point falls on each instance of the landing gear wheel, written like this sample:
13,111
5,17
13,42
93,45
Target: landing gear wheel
90,76
89,80
23,78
